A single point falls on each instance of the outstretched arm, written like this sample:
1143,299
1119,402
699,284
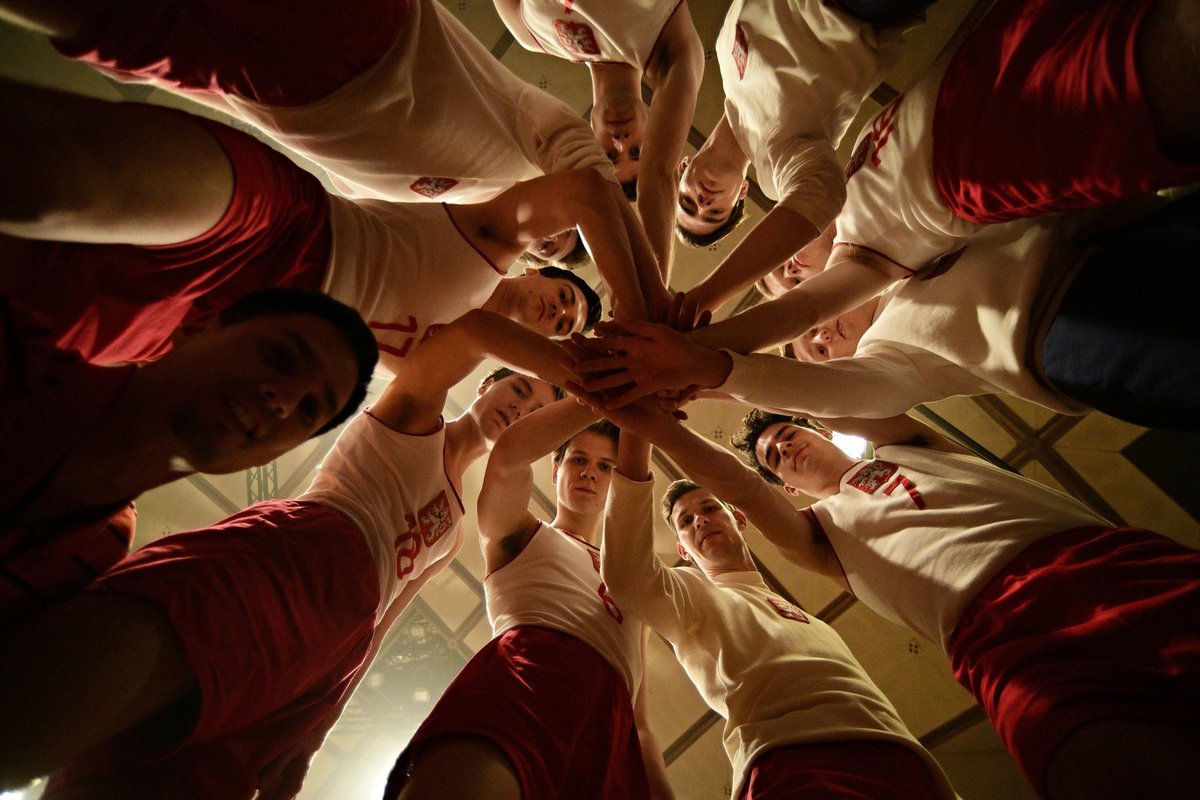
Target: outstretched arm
674,72
502,227
413,401
84,170
720,472
652,755
505,522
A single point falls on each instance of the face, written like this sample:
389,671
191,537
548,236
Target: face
708,532
549,306
838,338
581,478
802,458
503,402
807,262
707,194
555,247
618,128
248,392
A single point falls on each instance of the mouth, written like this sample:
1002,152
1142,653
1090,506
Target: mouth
841,331
503,417
541,310
241,417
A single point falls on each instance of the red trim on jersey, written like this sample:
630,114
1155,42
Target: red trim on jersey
909,270
441,424
462,508
467,239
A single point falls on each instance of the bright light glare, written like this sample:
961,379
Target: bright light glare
853,446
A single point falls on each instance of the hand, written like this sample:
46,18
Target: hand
632,360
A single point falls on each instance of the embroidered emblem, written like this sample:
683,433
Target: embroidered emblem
874,138
787,610
741,51
872,476
436,519
433,187
577,38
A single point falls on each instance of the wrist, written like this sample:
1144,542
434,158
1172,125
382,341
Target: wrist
715,369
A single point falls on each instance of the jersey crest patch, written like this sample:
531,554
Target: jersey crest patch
435,519
787,610
874,138
433,187
577,37
741,51
872,476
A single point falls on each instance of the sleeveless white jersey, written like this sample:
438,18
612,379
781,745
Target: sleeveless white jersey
795,73
920,532
614,31
776,674
407,268
555,583
436,118
395,488
892,204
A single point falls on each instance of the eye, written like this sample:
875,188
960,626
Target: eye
635,152
686,521
310,409
281,358
822,351
611,155
606,467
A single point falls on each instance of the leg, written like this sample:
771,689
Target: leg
85,670
1140,759
460,768
85,170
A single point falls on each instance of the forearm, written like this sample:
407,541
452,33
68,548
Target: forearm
780,234
632,572
515,346
532,437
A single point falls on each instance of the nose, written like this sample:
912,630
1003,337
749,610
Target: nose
792,270
823,334
784,449
588,470
281,397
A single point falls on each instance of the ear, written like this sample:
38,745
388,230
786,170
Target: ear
743,190
828,434
683,162
483,387
740,519
792,490
531,271
684,554
553,473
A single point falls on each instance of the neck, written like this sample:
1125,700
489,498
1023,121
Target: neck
464,446
586,526
614,82
723,145
501,300
131,449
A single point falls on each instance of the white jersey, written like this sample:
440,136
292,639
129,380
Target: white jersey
778,676
920,532
407,268
968,331
394,487
555,583
436,118
892,204
622,32
795,73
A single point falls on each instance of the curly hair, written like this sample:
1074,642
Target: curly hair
753,425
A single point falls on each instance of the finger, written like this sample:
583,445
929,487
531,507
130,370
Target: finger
617,400
593,366
603,383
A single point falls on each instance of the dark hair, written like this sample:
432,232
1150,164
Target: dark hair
500,373
629,187
578,257
753,425
705,239
278,301
589,294
678,489
603,427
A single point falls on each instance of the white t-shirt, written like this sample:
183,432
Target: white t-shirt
920,532
795,72
407,268
962,332
555,583
623,31
436,118
892,204
394,487
777,675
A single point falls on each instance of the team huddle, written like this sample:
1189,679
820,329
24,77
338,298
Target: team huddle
178,297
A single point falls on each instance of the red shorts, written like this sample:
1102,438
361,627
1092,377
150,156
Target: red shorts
877,770
559,711
275,608
276,52
1041,110
116,303
1083,626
